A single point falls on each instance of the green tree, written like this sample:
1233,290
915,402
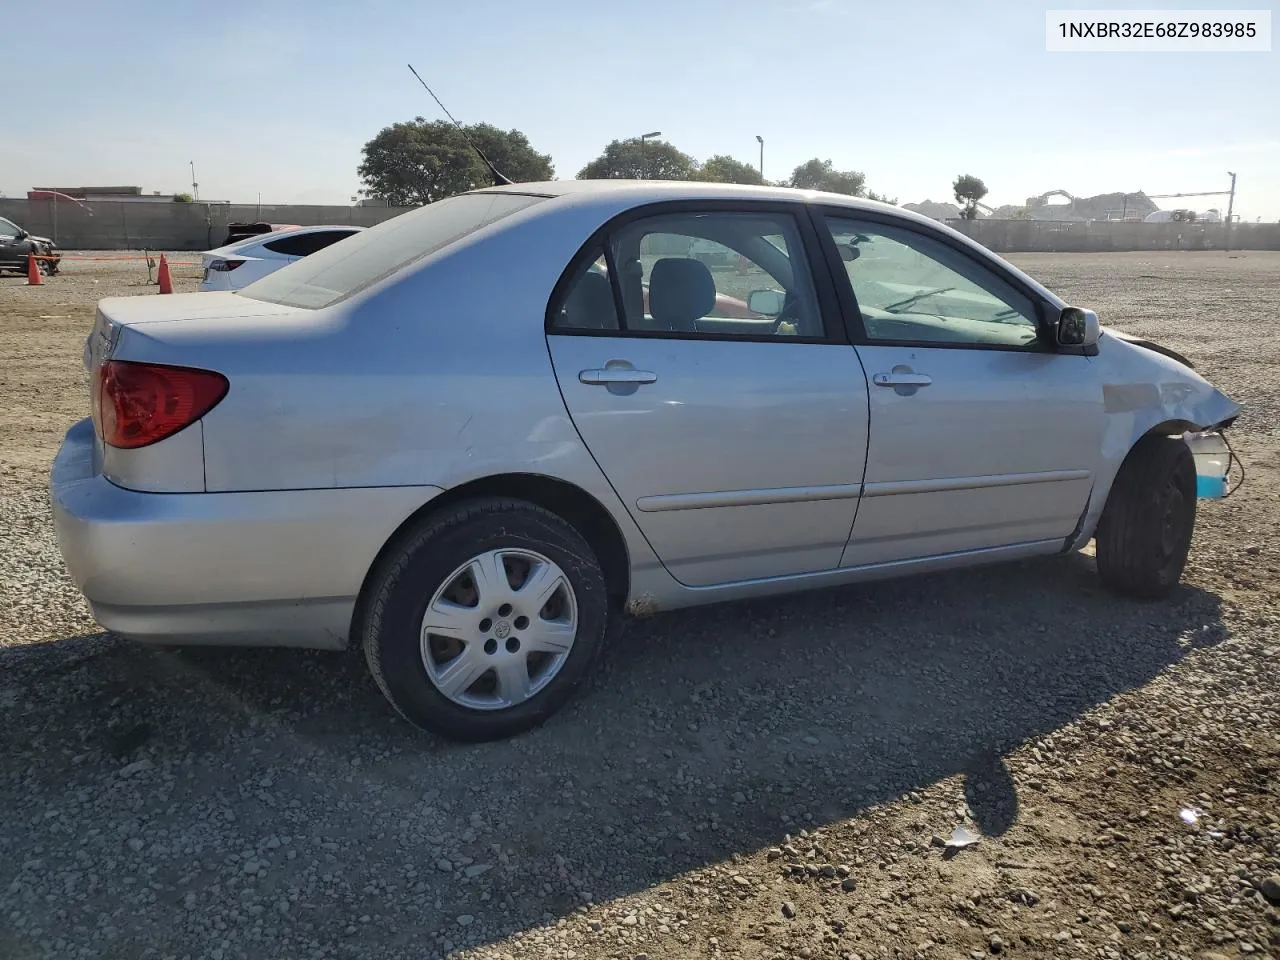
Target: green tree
969,190
511,152
725,169
872,195
631,160
414,163
182,198
818,174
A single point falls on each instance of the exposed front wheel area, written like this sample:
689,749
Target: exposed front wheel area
1145,532
484,619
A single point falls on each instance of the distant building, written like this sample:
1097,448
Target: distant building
105,194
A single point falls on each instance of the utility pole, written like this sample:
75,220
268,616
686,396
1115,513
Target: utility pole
1231,202
195,187
760,140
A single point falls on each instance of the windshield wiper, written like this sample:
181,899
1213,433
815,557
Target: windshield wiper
919,296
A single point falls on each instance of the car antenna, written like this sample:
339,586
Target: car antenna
498,178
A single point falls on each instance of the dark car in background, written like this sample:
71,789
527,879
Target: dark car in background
16,243
237,231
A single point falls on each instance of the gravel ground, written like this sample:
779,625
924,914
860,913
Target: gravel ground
762,780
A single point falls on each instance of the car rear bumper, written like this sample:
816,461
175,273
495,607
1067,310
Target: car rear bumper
274,568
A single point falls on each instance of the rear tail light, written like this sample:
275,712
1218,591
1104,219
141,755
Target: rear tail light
224,266
137,404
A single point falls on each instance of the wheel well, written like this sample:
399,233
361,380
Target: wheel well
573,504
1166,428
1170,428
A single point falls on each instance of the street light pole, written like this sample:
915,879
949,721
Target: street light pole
644,165
760,140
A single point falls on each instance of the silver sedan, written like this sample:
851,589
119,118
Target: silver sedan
476,437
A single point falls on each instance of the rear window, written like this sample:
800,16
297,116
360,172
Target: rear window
305,244
343,269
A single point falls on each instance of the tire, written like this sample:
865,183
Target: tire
450,564
1144,534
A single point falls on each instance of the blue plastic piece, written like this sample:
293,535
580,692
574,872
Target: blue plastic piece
1211,488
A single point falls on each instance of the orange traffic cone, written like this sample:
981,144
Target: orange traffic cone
34,277
163,278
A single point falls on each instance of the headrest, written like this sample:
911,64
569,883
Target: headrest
681,290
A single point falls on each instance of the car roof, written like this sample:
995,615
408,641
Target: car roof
681,190
635,192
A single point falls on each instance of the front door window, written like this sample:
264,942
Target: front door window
912,288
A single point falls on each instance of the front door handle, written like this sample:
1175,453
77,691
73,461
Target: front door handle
901,380
609,375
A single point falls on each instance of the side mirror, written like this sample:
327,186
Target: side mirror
1078,327
768,303
848,252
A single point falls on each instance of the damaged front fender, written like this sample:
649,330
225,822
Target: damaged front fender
1146,390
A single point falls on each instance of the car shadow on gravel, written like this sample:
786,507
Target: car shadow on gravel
708,733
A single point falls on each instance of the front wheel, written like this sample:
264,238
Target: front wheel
1144,535
485,620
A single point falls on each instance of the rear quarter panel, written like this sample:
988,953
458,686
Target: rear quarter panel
437,376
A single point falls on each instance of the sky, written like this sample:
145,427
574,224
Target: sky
277,98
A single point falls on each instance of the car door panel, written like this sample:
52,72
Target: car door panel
736,440
10,255
980,436
740,460
999,448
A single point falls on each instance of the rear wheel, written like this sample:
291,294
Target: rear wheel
1144,535
485,620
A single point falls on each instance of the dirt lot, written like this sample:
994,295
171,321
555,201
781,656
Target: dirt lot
762,780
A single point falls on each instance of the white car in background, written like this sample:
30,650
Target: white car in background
238,264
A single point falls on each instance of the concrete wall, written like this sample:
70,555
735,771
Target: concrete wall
1103,236
199,226
167,226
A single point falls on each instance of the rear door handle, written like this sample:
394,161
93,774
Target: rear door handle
609,375
901,380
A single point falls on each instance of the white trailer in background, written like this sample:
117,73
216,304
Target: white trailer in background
1183,215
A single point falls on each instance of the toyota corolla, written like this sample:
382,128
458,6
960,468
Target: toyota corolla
474,438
